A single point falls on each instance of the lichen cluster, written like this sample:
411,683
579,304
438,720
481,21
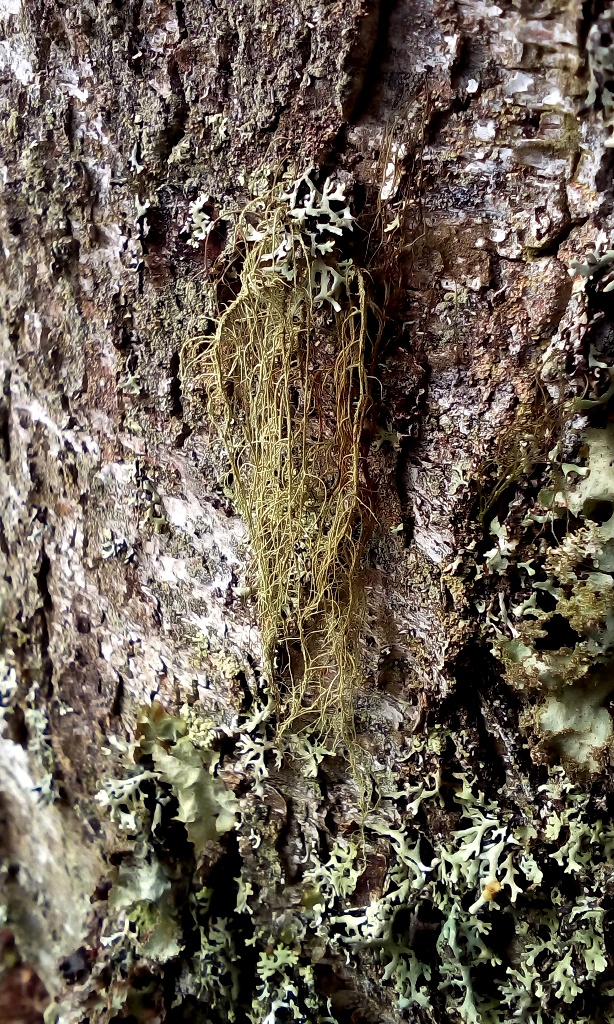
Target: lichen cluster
502,944
548,581
575,676
287,384
491,900
488,909
600,48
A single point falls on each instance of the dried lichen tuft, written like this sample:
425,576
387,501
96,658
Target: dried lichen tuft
286,381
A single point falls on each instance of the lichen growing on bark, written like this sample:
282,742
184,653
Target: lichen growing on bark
462,905
286,379
130,127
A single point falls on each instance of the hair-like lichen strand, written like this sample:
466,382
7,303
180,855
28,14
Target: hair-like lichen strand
287,384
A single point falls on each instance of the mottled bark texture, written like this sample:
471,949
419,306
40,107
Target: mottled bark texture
472,142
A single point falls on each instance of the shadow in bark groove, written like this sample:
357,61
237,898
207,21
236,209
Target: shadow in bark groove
367,93
41,581
482,701
5,436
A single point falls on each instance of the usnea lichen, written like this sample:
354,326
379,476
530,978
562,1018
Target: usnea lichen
287,383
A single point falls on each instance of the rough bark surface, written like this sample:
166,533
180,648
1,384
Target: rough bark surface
472,140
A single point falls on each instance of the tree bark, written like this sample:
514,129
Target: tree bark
473,144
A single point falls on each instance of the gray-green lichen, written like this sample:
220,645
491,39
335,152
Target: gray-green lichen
557,637
461,906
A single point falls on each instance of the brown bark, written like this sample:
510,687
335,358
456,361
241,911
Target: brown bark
472,141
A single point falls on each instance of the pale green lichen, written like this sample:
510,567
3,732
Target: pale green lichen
205,805
494,868
115,546
200,223
559,950
576,680
40,746
568,588
595,262
141,895
600,48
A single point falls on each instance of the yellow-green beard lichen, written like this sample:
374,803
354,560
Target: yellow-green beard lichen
286,381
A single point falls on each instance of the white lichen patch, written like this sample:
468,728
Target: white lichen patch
16,59
57,868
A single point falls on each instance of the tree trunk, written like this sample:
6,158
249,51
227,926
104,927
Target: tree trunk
173,847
